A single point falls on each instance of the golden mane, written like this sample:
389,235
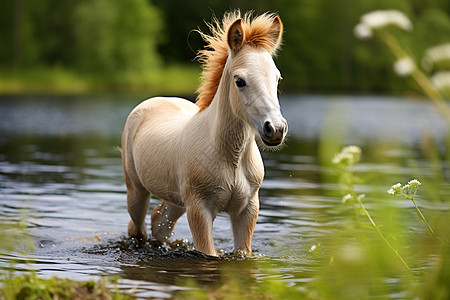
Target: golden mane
258,32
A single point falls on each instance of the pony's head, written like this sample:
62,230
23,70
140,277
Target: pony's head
240,53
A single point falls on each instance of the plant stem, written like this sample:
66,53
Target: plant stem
422,216
382,236
427,87
418,76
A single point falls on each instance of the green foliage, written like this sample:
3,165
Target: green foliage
116,36
110,38
236,288
320,52
436,285
106,38
344,162
431,21
170,80
29,286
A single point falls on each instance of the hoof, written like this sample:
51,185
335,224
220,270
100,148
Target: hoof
139,234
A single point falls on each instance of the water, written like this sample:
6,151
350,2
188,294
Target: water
61,175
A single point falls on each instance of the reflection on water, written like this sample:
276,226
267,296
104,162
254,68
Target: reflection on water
59,168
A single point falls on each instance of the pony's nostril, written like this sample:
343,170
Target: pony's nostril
268,129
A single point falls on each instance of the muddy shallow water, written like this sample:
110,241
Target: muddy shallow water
62,176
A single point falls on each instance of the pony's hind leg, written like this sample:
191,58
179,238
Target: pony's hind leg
164,217
137,203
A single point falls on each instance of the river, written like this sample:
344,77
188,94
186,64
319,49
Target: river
61,176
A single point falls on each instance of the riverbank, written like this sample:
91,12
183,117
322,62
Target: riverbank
173,79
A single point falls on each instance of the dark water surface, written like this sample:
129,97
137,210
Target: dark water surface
61,174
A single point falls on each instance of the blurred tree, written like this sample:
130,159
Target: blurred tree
97,36
435,21
116,36
17,31
52,31
180,43
17,45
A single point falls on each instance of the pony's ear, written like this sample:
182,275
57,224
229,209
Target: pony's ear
276,31
235,36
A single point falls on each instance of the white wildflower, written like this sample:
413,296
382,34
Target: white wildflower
441,80
396,188
382,18
414,183
362,31
404,66
341,158
361,196
347,198
411,188
355,150
436,55
348,156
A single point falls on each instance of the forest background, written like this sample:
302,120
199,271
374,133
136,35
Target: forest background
88,46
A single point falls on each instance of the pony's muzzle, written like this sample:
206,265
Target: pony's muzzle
273,135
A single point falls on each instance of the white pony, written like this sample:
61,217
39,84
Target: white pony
202,158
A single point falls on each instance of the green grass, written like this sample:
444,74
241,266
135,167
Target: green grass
30,286
172,79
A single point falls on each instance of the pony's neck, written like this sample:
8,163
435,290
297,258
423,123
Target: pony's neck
231,133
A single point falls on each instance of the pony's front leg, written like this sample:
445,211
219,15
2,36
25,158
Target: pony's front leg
201,222
243,224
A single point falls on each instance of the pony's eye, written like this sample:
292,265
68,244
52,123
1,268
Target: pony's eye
240,83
